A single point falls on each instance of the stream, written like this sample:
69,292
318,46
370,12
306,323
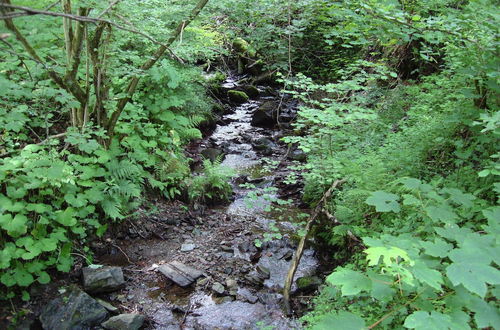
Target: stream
249,281
239,274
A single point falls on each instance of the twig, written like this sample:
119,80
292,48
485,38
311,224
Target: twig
111,5
119,248
300,249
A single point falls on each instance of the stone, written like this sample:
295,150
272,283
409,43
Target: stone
265,145
298,155
102,279
308,283
230,283
124,322
244,294
107,305
218,288
263,272
212,153
265,115
74,309
187,247
180,273
254,279
237,96
251,91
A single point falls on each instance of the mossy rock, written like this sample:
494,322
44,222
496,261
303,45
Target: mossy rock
237,96
308,283
251,91
240,45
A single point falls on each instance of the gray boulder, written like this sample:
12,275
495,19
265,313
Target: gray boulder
265,115
265,145
251,91
124,322
74,310
102,279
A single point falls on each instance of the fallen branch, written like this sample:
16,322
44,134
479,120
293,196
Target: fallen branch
300,249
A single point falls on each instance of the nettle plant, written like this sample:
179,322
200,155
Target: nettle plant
441,273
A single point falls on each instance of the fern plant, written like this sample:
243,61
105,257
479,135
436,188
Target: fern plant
211,186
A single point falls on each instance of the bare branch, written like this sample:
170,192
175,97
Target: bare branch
108,9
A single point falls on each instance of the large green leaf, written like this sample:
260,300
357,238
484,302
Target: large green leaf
472,269
15,226
340,321
351,282
66,217
424,321
384,202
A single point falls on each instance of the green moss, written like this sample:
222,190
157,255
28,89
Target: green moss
237,96
240,45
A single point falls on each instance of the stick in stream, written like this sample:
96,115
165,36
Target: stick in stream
300,249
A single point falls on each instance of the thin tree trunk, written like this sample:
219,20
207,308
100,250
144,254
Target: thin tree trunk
300,249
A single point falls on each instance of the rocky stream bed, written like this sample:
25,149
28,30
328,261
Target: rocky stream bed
185,269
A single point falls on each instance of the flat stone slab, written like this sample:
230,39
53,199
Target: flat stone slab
180,273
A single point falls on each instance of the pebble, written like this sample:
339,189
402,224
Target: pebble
218,288
187,247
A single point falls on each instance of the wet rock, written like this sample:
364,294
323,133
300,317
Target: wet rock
74,309
238,315
124,322
102,279
308,283
254,279
244,294
107,305
286,254
265,115
298,155
251,91
231,284
227,248
212,153
202,281
180,273
237,96
187,247
265,145
218,288
263,272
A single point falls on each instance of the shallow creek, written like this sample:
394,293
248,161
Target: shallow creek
224,249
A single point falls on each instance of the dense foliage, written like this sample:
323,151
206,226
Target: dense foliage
66,170
412,124
398,98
